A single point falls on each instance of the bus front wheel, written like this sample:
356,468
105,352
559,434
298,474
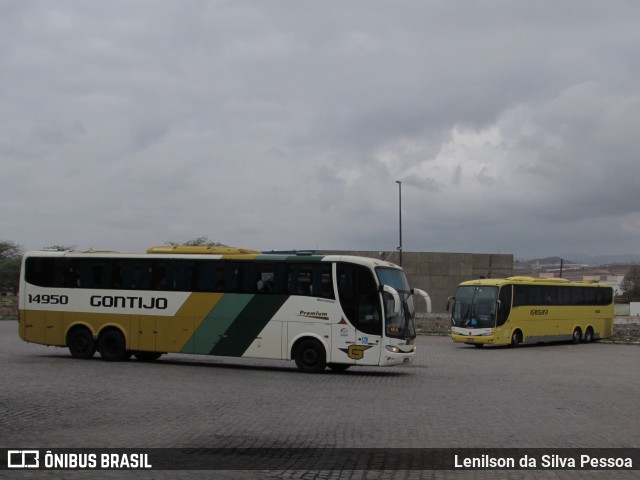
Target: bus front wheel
339,367
80,343
112,346
310,356
516,338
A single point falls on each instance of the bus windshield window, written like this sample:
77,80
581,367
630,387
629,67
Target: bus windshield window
475,307
393,277
397,325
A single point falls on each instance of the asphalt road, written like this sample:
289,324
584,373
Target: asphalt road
453,396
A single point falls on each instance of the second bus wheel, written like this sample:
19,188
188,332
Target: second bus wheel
338,367
588,335
516,338
576,336
112,346
310,356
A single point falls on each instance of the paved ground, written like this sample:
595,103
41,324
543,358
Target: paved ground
454,396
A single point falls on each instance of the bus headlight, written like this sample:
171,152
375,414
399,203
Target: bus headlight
393,349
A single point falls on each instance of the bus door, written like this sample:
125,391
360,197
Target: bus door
343,338
360,302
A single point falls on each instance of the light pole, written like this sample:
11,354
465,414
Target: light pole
400,217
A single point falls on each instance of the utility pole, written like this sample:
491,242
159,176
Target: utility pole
400,217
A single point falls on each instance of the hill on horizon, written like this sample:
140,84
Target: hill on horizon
578,258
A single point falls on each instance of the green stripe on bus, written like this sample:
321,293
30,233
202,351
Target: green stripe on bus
248,324
217,322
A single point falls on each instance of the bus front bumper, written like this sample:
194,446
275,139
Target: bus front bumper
479,336
389,357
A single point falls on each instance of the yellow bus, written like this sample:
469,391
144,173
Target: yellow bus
525,310
317,310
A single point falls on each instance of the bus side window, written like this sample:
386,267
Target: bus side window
71,274
577,296
299,280
269,278
604,296
521,295
130,275
94,273
184,276
323,283
564,295
159,276
233,274
590,295
505,304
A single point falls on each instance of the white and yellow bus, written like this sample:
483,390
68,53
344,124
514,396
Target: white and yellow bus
518,310
318,310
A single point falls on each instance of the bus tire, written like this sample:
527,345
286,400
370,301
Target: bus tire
576,336
81,343
516,338
112,346
588,335
310,356
147,356
339,367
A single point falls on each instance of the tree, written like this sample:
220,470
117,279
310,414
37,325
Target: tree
631,284
197,242
61,248
10,261
9,250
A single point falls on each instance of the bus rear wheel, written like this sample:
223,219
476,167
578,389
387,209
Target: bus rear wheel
112,346
310,356
588,335
147,356
80,343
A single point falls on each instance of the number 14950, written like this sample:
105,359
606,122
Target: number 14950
49,299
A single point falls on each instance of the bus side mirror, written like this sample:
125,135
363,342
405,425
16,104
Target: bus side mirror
449,302
396,297
424,295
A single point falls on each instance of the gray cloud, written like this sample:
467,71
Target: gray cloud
275,125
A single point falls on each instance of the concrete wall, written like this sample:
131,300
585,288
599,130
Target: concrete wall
439,273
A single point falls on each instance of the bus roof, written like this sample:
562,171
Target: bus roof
202,250
209,253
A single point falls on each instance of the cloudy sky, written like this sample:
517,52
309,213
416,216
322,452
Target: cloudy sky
513,125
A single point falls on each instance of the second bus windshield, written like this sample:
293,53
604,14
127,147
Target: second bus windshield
475,307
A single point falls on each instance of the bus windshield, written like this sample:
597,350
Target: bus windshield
397,325
475,307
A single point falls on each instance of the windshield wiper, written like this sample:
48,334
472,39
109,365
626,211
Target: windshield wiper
407,320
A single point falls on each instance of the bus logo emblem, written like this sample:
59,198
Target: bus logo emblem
356,352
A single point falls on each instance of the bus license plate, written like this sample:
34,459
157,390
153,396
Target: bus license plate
469,340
